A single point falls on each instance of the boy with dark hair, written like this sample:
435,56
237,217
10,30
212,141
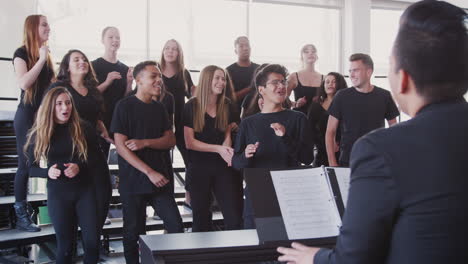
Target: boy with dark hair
275,137
357,110
143,133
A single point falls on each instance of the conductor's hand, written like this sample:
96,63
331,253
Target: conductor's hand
53,172
298,254
157,179
226,153
279,129
135,144
251,149
72,170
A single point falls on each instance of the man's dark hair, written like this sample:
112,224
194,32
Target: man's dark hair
432,46
142,65
366,59
262,75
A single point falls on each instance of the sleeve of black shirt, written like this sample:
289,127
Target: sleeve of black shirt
301,146
34,169
119,122
21,53
335,107
392,109
371,211
239,161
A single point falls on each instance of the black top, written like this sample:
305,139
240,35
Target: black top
43,81
88,107
308,91
318,120
167,101
209,135
407,199
359,113
241,77
274,152
175,85
116,90
60,152
138,120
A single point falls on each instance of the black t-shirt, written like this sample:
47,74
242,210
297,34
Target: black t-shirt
139,120
167,101
115,91
180,90
88,107
209,135
295,147
43,81
360,113
241,77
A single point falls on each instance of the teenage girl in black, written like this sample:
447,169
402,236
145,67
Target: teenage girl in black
306,82
76,74
318,115
178,82
59,137
114,77
34,73
208,120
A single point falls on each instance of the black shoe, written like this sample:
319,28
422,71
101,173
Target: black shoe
23,220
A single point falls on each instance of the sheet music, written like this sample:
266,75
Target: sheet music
343,176
306,203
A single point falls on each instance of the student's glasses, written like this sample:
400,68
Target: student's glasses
276,83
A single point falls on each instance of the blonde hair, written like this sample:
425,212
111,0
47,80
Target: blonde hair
306,46
43,128
31,44
202,94
179,64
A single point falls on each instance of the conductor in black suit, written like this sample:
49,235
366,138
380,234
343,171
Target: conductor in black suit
408,199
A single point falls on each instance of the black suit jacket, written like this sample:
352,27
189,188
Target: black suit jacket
408,198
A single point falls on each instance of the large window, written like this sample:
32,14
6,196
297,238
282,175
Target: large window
278,32
383,30
206,29
78,25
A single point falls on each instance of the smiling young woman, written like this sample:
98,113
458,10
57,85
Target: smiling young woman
208,120
34,73
69,146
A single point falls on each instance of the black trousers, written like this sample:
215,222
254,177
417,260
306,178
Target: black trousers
68,206
226,185
248,213
103,191
134,217
24,119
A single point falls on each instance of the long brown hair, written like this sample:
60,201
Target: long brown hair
31,44
180,63
89,81
202,94
43,128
